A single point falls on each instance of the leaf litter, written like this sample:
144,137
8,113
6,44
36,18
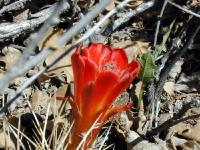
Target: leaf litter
182,84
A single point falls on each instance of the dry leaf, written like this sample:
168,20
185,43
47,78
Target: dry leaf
21,16
175,141
63,68
40,101
195,3
179,128
193,133
111,6
5,141
169,87
190,145
11,55
50,38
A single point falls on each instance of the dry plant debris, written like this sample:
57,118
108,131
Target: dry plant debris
39,108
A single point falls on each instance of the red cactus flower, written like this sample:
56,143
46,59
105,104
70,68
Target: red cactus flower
101,73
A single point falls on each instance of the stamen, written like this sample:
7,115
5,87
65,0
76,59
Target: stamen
112,66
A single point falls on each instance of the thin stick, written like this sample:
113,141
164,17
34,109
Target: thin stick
104,140
19,125
65,137
88,17
45,126
176,119
175,54
37,123
158,23
17,137
12,6
18,68
108,15
27,138
88,132
186,10
46,52
127,16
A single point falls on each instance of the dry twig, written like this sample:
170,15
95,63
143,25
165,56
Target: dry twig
178,48
176,119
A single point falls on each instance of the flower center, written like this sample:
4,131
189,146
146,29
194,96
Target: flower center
110,66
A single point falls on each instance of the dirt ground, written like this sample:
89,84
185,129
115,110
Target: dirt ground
37,39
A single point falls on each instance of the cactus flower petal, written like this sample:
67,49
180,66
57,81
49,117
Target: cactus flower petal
101,73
